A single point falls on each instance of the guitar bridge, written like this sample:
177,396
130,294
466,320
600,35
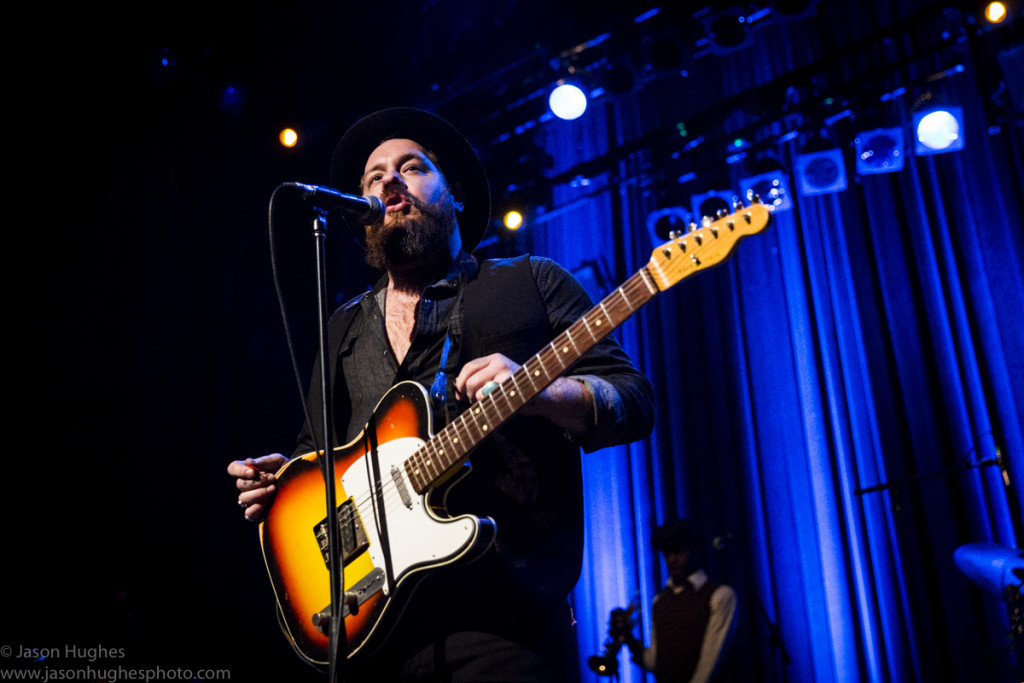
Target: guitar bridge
353,536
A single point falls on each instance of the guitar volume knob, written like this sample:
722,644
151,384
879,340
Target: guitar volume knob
322,620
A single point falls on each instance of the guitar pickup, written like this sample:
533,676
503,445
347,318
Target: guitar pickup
352,534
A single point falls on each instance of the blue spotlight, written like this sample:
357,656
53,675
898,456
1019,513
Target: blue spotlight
939,130
879,151
710,202
567,102
662,222
821,172
772,187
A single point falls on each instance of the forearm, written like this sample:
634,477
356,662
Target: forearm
621,410
568,403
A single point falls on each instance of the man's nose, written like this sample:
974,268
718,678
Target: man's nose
392,178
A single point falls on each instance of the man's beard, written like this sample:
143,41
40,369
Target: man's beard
407,239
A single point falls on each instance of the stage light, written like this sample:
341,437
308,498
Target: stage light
879,151
711,202
772,188
995,12
821,172
728,31
567,101
288,137
664,221
939,130
513,220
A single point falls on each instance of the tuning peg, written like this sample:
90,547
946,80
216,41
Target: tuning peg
673,234
753,197
693,226
722,213
738,204
704,222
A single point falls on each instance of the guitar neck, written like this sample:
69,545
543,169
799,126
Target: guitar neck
683,256
452,444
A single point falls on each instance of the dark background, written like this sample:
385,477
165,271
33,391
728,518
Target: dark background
148,346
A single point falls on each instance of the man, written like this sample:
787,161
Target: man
692,617
458,327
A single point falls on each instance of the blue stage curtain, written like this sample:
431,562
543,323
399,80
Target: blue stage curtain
831,402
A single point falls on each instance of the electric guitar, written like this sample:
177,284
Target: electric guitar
391,534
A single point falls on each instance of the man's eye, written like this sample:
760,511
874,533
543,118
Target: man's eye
413,168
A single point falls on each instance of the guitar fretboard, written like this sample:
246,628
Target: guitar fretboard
453,443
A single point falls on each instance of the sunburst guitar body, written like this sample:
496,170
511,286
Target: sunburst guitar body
389,532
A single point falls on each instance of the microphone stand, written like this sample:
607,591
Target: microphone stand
336,624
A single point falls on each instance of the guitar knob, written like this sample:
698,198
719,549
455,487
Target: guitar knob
351,599
322,621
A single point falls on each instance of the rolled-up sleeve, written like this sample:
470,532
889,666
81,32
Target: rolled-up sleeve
623,399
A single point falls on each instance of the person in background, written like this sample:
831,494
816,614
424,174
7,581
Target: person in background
692,617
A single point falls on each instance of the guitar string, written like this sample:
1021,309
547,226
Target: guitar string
495,414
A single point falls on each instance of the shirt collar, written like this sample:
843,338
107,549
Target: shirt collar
696,581
464,265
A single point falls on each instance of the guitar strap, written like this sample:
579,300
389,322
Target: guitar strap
439,389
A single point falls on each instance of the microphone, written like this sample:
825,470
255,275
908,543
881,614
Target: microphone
366,210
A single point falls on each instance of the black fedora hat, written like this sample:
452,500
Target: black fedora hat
456,158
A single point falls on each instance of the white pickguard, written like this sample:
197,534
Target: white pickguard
417,536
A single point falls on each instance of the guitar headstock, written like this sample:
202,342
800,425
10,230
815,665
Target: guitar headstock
705,246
